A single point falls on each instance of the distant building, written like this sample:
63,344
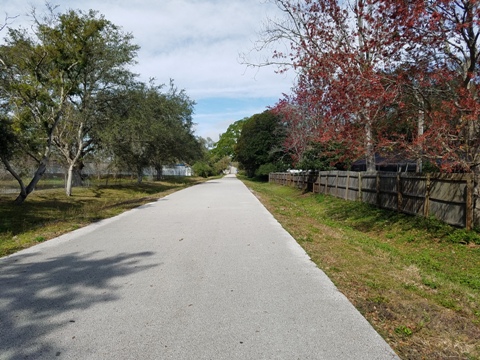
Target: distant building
177,170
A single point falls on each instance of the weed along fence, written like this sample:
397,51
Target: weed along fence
447,197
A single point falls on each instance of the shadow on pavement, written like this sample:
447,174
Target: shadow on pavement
36,297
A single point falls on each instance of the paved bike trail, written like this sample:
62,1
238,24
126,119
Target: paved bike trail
204,273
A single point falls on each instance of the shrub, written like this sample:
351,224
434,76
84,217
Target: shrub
202,169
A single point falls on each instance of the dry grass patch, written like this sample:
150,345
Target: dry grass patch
417,281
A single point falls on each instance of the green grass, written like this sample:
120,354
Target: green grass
49,213
416,280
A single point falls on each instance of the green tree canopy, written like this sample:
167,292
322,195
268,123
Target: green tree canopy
150,128
225,146
50,77
261,143
103,53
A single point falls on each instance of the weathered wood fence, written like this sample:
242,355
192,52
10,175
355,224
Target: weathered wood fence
447,197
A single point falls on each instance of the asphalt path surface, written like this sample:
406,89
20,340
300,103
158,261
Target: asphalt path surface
204,273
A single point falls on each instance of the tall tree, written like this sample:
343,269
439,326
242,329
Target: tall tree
260,143
102,54
53,78
343,51
225,146
440,72
8,147
36,83
151,128
457,24
177,142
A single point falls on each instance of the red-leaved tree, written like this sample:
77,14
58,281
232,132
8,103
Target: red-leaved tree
383,76
345,54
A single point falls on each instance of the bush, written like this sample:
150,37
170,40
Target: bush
265,169
202,169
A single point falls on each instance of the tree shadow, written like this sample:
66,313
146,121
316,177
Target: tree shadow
37,297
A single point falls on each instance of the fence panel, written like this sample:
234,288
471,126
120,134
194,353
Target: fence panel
353,189
341,184
369,188
413,190
387,190
448,197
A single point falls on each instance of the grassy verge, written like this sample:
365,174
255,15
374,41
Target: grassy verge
49,213
417,281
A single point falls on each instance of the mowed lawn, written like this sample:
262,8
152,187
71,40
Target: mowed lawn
416,280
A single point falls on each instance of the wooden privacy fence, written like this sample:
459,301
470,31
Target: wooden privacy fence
447,197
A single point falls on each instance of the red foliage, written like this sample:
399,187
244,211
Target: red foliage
378,77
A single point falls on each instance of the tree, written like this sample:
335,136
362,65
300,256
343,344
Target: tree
368,67
440,72
101,54
347,55
205,165
36,85
225,146
150,128
342,51
260,143
53,80
177,143
128,138
8,147
8,141
457,26
301,123
222,153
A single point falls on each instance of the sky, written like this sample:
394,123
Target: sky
197,43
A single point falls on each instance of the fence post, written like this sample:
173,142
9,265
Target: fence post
325,186
347,185
336,185
320,184
399,193
319,181
426,205
359,195
377,188
469,203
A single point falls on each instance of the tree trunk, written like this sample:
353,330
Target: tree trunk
420,130
68,184
159,172
366,117
42,167
74,167
74,177
421,122
369,148
139,175
23,190
33,183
